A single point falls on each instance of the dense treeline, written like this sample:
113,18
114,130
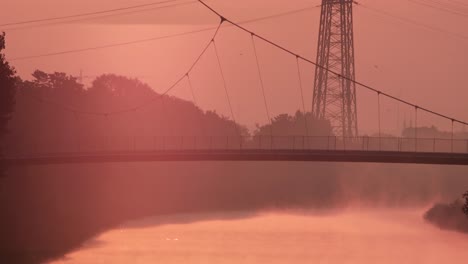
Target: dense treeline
54,112
7,94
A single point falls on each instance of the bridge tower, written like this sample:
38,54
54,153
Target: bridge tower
334,96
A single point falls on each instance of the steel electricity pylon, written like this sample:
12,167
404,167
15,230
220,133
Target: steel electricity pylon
334,95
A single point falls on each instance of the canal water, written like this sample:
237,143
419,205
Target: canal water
350,236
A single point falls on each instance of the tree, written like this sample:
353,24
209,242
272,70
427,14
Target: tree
7,91
298,125
465,207
7,88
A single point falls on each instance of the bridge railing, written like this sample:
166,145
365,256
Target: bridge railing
180,143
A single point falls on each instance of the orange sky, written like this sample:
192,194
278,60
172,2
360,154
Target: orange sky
420,64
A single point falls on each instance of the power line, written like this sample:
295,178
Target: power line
111,45
329,70
159,37
443,9
448,4
413,22
459,3
85,14
100,17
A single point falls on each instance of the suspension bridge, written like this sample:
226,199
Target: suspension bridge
334,100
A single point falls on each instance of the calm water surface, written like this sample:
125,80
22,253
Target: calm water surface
352,236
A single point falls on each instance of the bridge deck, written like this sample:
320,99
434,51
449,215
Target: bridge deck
244,155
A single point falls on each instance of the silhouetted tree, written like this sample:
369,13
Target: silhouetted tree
7,92
287,125
432,132
7,88
465,207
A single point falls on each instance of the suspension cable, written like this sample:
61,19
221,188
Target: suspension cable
379,122
225,86
262,85
452,138
416,128
299,75
195,101
192,92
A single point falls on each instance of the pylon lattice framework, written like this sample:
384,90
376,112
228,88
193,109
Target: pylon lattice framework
334,97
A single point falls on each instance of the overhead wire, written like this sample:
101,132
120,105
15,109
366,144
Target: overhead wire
112,45
449,4
85,14
459,2
443,9
413,22
8,29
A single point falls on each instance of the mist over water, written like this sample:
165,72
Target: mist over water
352,236
231,212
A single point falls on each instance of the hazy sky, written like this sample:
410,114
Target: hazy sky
412,51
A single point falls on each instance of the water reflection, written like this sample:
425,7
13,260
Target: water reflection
357,236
